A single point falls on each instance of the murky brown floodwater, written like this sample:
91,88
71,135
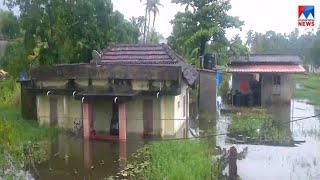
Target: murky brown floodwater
285,163
74,158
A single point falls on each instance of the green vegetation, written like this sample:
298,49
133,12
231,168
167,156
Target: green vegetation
187,159
201,29
22,142
9,93
258,125
308,88
224,90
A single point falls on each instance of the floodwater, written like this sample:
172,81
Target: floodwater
75,158
276,162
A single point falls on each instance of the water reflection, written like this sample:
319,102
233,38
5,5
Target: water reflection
275,162
72,158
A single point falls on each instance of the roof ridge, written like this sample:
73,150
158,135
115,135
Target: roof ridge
173,54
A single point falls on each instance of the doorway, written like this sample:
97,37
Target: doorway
114,124
147,118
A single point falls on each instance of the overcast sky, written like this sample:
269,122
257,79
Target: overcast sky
258,15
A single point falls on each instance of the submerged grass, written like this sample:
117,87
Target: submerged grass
258,125
308,88
171,160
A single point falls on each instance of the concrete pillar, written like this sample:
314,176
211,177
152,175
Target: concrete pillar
38,108
122,121
207,94
162,109
65,112
87,119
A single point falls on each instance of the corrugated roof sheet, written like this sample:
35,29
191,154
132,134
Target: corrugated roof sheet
267,58
145,54
254,68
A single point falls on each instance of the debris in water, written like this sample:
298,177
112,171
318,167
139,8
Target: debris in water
75,171
102,162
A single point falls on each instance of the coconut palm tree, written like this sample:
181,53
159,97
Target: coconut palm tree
155,9
147,9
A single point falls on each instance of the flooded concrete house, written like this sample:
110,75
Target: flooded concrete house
130,91
263,79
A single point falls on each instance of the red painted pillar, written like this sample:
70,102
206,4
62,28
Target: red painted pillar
87,119
122,121
87,153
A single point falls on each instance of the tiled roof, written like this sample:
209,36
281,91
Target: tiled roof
254,68
145,54
267,58
140,54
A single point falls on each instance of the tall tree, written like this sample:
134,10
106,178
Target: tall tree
9,25
200,23
147,8
62,31
155,9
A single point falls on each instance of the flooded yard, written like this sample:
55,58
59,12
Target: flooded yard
75,158
280,162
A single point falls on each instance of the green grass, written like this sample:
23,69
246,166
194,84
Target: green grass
310,88
22,140
247,122
29,130
174,160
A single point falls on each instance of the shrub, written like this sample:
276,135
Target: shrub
10,93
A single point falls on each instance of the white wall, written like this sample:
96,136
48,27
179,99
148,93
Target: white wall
179,117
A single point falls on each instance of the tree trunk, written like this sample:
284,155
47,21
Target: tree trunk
145,26
148,26
154,20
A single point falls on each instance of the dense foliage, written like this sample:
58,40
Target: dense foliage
204,23
307,45
14,59
9,25
9,93
67,31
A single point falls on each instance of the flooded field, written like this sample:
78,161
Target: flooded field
276,162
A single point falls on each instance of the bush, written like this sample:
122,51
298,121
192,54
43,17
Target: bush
185,159
10,93
247,122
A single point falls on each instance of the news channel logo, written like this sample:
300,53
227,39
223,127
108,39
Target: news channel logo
306,15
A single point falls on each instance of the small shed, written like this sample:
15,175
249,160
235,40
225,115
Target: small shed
263,79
